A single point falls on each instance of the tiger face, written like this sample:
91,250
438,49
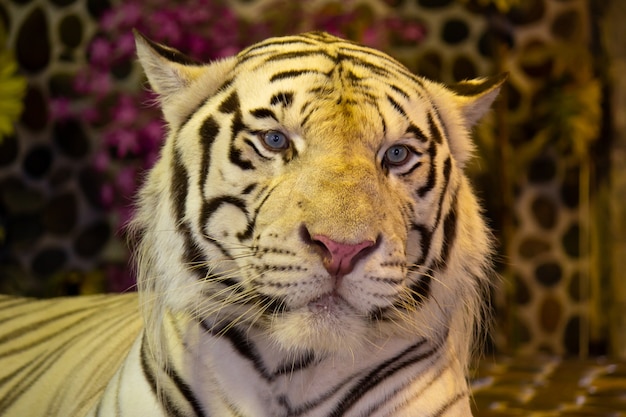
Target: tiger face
312,189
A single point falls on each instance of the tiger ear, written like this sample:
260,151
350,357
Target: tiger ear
172,74
474,97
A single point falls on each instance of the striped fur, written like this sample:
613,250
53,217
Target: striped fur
274,157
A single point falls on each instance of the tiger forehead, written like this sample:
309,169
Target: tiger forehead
322,54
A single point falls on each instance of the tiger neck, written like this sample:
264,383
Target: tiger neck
239,365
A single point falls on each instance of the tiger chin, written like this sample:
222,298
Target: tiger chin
308,244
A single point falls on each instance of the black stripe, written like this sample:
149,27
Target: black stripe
279,42
432,173
230,104
452,401
211,206
413,168
397,106
449,237
167,403
234,156
255,149
285,98
179,187
292,366
297,54
292,74
417,133
435,133
354,60
249,188
385,370
240,342
183,388
399,91
208,132
447,169
186,391
193,257
263,114
420,290
426,237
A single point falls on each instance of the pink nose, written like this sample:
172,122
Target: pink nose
340,258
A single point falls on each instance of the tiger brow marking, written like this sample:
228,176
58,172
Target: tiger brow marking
365,64
290,41
297,54
263,114
292,74
285,98
417,132
356,55
396,106
399,91
230,104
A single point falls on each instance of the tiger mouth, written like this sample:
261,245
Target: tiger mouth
331,304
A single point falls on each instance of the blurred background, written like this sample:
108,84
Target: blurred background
77,131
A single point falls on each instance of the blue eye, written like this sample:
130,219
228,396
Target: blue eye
397,155
275,140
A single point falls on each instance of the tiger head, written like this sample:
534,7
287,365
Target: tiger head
313,189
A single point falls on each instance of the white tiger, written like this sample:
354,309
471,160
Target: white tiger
308,246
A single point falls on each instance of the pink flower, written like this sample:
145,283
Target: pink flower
131,13
125,46
125,180
60,108
152,136
81,82
90,114
101,160
100,83
101,52
123,140
107,195
125,112
413,32
108,21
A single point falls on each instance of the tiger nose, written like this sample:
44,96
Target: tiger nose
339,258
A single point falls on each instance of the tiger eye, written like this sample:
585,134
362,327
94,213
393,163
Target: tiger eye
275,140
397,155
